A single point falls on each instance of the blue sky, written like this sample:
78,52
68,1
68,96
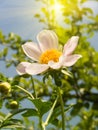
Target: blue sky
18,16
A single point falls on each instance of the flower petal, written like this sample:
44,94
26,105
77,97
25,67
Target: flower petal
32,50
70,45
47,40
35,68
54,65
21,68
71,60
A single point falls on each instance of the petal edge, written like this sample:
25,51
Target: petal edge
21,68
71,60
70,46
35,68
32,50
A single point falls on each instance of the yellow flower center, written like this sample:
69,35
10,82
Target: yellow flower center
50,55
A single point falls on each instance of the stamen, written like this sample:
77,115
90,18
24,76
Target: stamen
49,55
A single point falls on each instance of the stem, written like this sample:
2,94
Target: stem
25,91
50,113
41,124
62,109
32,81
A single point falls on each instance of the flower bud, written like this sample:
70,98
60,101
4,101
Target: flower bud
5,87
13,104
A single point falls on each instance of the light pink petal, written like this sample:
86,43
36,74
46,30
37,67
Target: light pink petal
47,40
71,60
54,65
32,50
70,45
21,68
35,68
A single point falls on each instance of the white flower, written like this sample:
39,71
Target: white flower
46,54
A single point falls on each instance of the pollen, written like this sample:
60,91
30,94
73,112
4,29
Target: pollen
49,55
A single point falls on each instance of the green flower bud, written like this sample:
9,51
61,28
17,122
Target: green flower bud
13,104
5,87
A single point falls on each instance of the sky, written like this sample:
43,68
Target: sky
17,16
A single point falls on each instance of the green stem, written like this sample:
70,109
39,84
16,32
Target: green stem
25,91
50,113
41,124
62,109
32,81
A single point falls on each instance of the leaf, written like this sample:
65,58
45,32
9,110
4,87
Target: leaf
10,115
30,112
16,120
9,122
87,10
1,103
37,15
13,125
5,51
42,106
55,122
57,112
76,109
66,72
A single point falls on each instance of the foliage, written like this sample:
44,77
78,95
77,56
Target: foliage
81,89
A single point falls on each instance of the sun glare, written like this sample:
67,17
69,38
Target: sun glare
57,7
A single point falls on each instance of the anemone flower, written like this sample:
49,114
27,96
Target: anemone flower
46,54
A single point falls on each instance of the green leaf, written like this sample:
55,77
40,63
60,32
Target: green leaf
1,103
37,15
9,122
67,73
5,51
12,125
55,122
30,112
10,115
76,109
57,112
42,106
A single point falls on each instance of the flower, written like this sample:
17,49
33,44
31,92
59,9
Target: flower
46,54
